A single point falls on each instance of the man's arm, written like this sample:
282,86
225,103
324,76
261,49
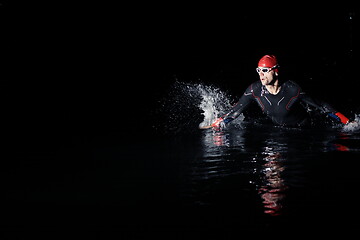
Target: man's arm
324,108
236,110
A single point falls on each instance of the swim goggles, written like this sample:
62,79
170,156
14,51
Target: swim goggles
266,69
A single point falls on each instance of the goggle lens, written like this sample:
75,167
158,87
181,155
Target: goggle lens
264,70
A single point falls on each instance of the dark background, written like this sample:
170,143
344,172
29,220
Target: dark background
74,67
79,76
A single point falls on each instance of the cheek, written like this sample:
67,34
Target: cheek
270,76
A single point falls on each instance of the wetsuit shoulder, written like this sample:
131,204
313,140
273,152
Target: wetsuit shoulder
254,88
292,84
256,85
292,88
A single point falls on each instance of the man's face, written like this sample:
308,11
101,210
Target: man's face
268,77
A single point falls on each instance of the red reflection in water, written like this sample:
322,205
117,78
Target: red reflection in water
273,187
219,139
341,148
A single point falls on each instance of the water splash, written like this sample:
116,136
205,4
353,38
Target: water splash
354,125
188,104
214,103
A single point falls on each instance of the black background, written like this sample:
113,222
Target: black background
80,66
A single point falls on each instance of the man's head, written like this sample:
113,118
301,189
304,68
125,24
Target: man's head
268,69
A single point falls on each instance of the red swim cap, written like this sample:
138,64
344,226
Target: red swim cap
268,61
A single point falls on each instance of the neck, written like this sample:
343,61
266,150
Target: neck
273,88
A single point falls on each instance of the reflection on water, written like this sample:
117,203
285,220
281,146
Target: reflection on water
272,186
261,158
270,159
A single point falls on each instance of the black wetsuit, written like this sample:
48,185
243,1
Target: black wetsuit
288,107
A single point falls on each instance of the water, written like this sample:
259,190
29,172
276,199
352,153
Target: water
260,177
188,106
184,182
257,180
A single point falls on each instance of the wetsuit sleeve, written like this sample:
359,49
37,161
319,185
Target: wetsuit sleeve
240,106
324,108
321,106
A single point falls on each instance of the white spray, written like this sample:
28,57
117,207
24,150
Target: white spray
214,103
354,125
189,104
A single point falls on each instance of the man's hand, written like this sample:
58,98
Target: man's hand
218,124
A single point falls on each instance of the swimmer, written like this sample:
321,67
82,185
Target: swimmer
282,101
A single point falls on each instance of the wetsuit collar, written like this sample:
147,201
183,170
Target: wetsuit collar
265,90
